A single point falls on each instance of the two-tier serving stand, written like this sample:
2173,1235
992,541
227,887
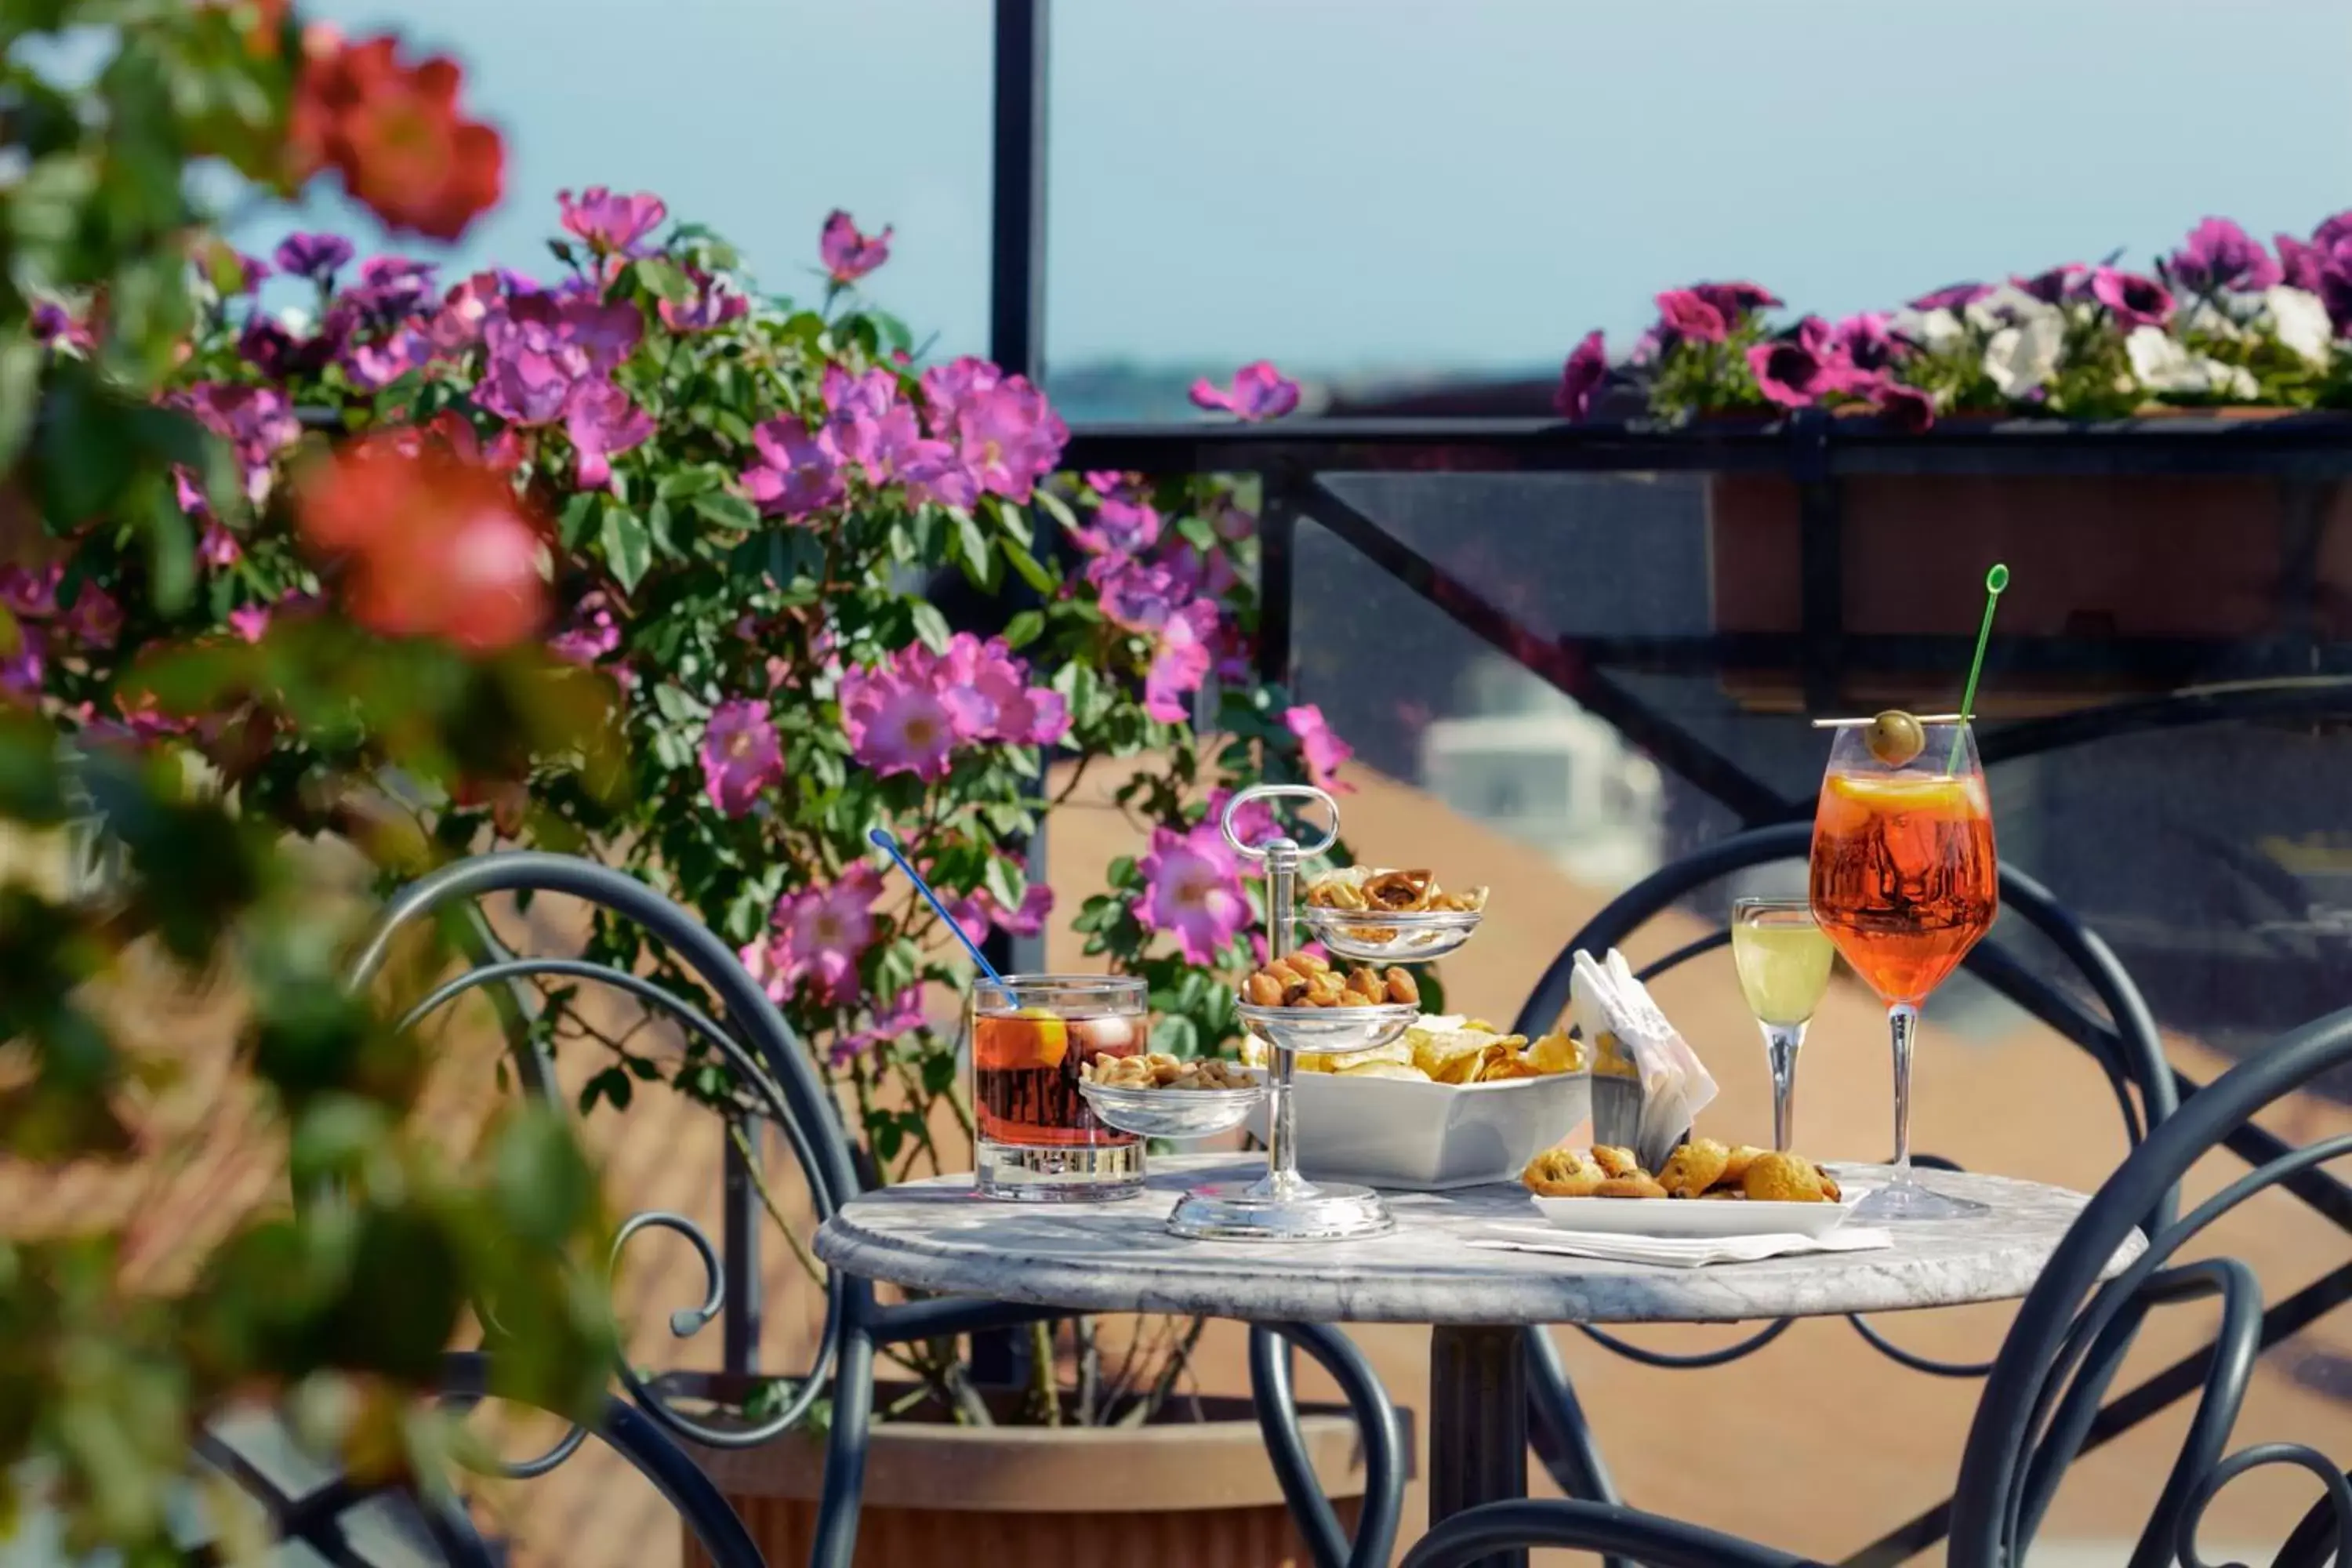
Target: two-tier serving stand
1282,1204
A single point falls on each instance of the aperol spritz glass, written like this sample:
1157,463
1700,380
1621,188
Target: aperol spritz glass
1904,881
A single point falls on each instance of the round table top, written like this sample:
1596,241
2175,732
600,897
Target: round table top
1118,1257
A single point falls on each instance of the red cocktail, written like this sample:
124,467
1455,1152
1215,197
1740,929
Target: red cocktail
1904,881
1037,1137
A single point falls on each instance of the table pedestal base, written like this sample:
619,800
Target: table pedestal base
1477,1425
1247,1210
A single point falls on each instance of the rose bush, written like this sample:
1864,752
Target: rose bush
733,509
2222,320
133,583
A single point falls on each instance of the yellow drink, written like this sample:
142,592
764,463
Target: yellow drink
1784,965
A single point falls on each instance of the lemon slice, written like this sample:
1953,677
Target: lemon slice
1898,791
1052,1035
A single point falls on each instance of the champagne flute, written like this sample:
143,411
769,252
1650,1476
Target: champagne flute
1784,968
1904,881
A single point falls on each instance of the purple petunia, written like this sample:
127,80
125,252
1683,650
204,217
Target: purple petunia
1866,341
2218,254
1682,314
1732,301
1905,407
2067,280
1581,377
2134,301
1952,296
317,256
1790,374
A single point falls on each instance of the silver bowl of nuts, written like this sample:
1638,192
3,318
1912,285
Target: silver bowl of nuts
1302,1003
1417,936
1159,1096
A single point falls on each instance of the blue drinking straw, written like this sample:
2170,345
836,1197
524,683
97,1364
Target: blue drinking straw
880,838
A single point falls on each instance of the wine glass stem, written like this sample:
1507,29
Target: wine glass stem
1902,1023
1780,1043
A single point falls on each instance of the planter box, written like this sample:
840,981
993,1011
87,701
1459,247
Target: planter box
1199,1493
2190,559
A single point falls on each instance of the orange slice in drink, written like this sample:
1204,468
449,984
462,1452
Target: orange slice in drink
1050,1033
1886,794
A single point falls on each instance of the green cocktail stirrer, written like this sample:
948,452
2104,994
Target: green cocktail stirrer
1995,581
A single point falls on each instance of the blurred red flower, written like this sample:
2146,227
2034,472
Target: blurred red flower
431,544
392,130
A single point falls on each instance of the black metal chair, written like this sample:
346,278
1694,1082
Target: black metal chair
2043,1402
642,1423
2123,1043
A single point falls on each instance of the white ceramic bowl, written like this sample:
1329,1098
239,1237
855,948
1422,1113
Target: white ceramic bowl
1400,1132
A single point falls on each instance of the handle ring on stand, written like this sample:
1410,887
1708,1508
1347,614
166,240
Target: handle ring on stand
1280,792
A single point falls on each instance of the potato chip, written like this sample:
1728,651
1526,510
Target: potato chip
1557,1052
1511,1065
1395,1051
1384,1069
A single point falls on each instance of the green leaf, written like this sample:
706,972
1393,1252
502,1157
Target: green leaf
930,626
1007,882
1031,570
1196,531
578,518
685,483
628,546
1057,508
726,510
170,550
1024,628
664,280
20,378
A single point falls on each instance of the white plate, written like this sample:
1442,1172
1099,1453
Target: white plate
1702,1217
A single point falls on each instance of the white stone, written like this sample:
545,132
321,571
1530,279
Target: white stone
1118,1257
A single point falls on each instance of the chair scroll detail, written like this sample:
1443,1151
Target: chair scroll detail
2126,1045
783,1089
2061,1355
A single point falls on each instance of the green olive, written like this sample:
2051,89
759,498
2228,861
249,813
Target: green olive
1894,738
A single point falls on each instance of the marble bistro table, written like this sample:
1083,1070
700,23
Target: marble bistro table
938,1236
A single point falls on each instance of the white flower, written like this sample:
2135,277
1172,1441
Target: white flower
297,321
2164,365
2019,359
1933,330
2300,321
2205,316
2007,305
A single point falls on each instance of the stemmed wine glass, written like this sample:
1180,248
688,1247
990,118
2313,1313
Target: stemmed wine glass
1905,882
1784,963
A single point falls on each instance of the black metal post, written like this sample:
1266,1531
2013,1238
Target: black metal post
1016,342
1477,1425
1277,559
739,1324
1017,291
1820,560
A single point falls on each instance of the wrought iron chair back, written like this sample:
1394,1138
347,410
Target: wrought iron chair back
2041,1406
768,1060
2125,1043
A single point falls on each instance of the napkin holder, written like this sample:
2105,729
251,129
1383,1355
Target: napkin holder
1647,1083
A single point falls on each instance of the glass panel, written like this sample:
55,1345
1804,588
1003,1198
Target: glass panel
1406,192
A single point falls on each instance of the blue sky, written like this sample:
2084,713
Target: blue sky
1352,185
